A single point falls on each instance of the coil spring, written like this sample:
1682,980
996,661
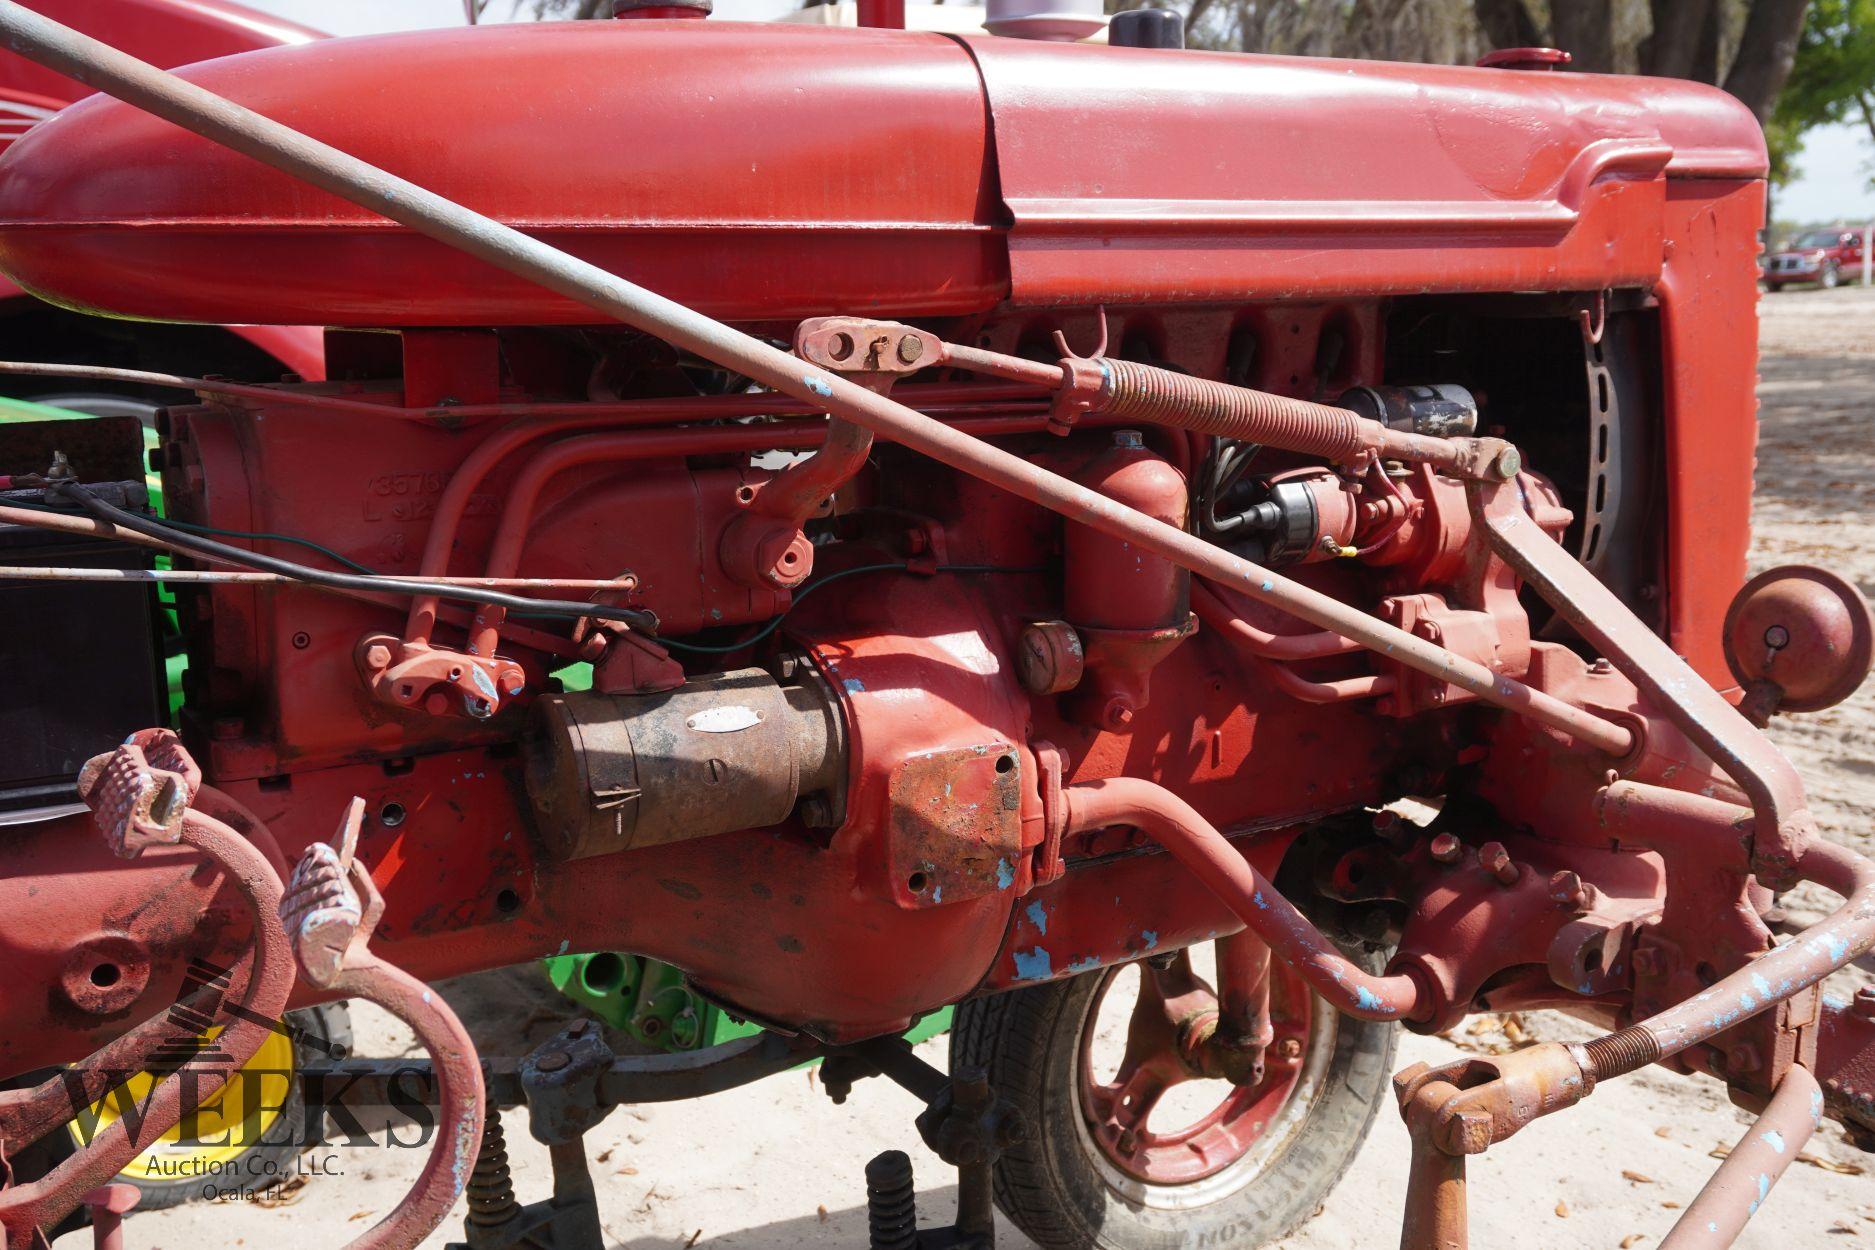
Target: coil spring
491,1184
891,1202
1145,393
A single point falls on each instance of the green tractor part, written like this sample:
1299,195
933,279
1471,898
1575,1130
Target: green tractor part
651,1001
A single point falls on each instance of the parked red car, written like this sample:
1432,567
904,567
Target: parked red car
1819,256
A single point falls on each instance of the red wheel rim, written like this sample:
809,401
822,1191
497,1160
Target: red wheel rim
1117,1112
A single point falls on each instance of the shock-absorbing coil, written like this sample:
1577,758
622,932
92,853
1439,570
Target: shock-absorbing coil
891,1202
491,1184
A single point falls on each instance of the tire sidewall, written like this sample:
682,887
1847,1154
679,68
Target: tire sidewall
270,1160
1288,1190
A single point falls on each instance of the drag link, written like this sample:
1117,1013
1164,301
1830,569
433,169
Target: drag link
202,112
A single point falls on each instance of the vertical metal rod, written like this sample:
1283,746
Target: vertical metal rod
1436,1214
196,109
1719,1214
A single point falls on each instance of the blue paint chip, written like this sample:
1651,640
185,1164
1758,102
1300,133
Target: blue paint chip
1086,964
1005,875
1772,1138
1033,965
854,685
1038,916
1366,999
1150,937
817,385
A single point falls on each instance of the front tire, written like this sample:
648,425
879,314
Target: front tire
1832,276
1064,1191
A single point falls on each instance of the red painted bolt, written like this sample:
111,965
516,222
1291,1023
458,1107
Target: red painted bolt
1289,1048
1569,890
1496,861
377,655
1446,848
1119,714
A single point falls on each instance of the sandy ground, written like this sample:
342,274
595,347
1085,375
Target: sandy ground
776,1165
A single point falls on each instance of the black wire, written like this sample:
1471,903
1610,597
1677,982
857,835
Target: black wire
263,536
829,579
190,544
252,535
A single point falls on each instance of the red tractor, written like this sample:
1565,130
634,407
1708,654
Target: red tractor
882,520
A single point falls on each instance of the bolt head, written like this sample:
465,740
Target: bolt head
1446,848
552,1061
377,655
1468,1133
1508,464
910,348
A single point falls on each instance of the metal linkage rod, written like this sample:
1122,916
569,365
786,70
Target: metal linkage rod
196,109
1175,825
1719,1214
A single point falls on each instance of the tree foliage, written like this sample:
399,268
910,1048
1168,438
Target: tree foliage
1834,78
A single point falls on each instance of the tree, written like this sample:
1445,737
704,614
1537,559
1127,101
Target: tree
1834,76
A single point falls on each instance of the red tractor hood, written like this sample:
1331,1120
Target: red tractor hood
761,171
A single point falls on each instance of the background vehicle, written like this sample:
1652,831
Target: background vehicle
1275,558
1825,257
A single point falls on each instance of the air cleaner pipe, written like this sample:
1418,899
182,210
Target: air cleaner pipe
194,108
1175,825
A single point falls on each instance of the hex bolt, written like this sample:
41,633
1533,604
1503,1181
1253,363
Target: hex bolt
1864,1003
377,655
817,812
1446,848
1602,667
1568,890
1289,1048
1496,861
1467,1133
1742,1058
